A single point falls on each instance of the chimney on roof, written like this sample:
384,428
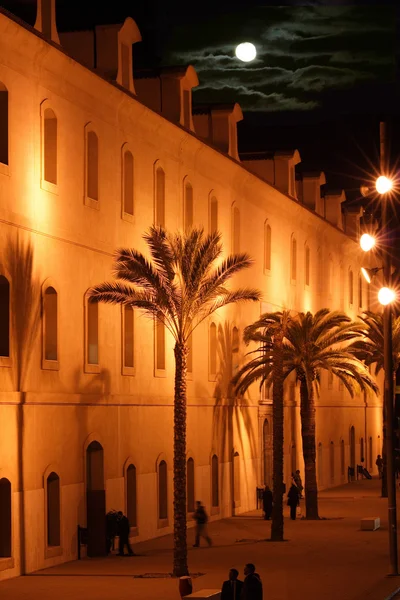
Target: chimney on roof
169,92
311,191
107,48
352,216
333,207
46,19
278,168
218,125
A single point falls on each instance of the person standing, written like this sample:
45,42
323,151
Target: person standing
298,482
123,532
293,500
252,586
232,588
201,518
267,503
379,464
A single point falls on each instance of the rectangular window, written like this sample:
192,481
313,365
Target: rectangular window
128,340
92,349
160,198
160,348
294,260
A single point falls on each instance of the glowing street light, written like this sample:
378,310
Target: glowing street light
367,242
386,296
383,184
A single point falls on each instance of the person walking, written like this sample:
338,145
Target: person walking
123,532
252,586
267,503
379,464
232,588
298,482
293,500
201,518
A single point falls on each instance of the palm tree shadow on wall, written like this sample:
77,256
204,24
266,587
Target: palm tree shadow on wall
231,412
25,319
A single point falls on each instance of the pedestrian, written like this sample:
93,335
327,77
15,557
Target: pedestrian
379,464
111,529
298,482
267,503
293,500
232,588
252,586
123,532
201,518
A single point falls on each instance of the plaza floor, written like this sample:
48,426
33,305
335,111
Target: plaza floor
330,559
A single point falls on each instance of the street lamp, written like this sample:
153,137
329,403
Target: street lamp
386,297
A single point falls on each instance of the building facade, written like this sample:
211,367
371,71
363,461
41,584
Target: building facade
91,154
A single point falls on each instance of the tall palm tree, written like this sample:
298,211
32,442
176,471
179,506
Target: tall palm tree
370,349
311,343
182,284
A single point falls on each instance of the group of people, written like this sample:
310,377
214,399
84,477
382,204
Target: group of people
293,498
248,589
117,524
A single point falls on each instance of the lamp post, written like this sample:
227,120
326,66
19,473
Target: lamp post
386,296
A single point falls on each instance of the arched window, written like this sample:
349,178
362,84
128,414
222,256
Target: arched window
4,317
92,165
53,509
214,482
128,354
127,181
131,499
332,461
94,467
293,258
307,265
92,332
320,464
235,229
50,324
213,215
160,345
267,246
5,518
49,146
162,490
351,299
342,458
213,350
3,124
190,493
188,207
235,350
159,216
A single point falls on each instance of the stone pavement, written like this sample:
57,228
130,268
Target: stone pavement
329,559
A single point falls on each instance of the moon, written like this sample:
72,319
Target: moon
246,51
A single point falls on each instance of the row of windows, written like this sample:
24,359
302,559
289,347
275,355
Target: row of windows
95,481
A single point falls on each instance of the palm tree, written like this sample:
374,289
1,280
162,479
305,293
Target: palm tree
182,285
311,343
370,349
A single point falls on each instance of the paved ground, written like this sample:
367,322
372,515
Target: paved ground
329,559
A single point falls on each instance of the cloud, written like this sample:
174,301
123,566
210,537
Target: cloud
317,78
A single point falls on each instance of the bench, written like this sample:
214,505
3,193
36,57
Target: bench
205,595
370,523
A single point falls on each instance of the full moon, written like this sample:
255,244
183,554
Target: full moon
246,52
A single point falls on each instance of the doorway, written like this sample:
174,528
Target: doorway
95,500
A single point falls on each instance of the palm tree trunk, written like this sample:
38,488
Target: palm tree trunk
384,487
277,440
307,415
180,538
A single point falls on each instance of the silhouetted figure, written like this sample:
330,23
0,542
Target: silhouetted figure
267,503
111,529
293,500
232,589
201,518
298,482
123,532
379,464
252,586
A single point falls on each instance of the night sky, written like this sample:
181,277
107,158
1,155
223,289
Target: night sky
323,78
